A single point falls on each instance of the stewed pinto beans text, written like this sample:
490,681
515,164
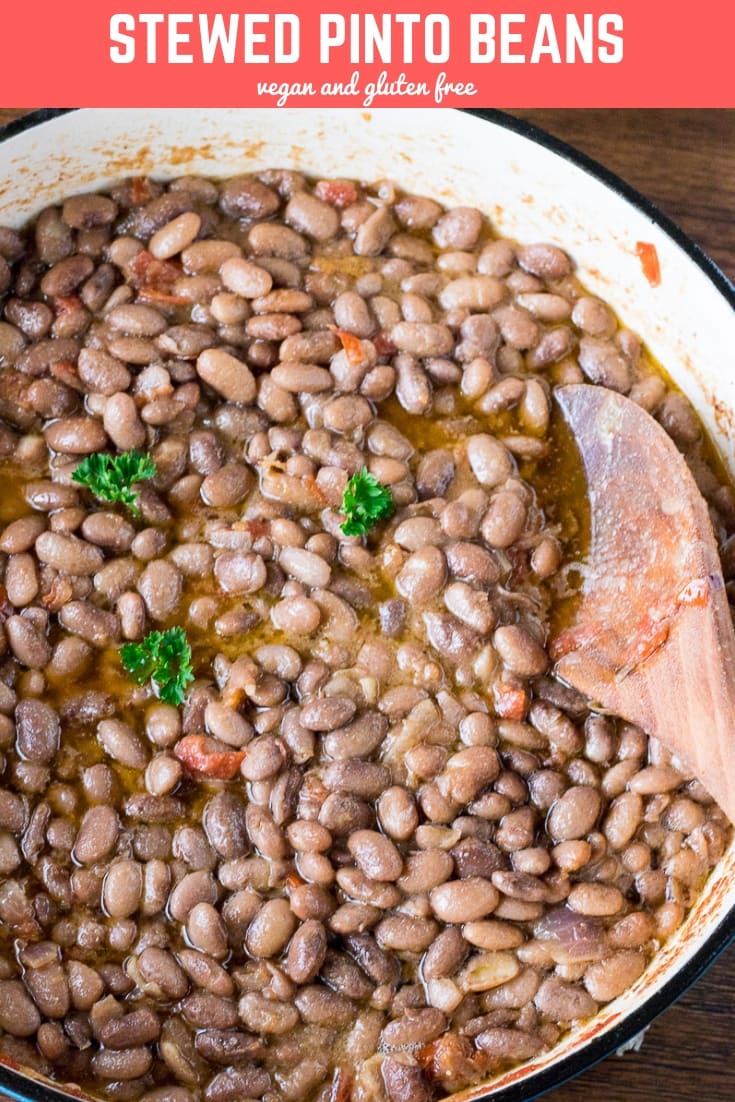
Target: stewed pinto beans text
379,854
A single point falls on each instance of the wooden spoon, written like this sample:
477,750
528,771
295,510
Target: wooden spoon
651,638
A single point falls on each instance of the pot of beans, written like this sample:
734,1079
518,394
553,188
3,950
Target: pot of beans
292,804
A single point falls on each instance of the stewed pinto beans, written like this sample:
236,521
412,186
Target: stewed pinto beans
379,852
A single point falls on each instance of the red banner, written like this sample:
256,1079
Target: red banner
114,53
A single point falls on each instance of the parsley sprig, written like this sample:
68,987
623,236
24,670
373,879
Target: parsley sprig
365,502
112,477
163,657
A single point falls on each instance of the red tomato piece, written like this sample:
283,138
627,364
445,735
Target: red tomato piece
648,256
352,346
201,754
384,345
338,193
66,304
140,189
510,701
151,275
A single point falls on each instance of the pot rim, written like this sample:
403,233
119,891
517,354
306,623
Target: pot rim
26,1087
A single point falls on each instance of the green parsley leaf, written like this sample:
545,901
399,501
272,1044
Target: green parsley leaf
365,502
163,657
111,477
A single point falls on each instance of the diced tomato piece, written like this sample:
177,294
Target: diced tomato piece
314,489
449,1059
150,274
511,702
66,304
201,754
257,527
140,189
338,193
383,344
648,257
352,346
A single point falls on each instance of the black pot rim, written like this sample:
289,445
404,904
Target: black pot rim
23,1089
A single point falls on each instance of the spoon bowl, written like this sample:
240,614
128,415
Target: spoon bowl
651,638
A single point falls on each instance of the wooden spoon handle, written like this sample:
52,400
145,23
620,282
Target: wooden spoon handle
652,637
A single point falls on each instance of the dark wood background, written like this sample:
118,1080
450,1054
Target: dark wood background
684,160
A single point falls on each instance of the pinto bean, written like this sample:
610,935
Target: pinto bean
505,520
97,835
196,887
94,625
375,854
227,486
247,197
27,643
160,587
225,824
422,338
365,779
122,743
227,725
67,553
608,978
574,814
489,459
175,236
271,928
623,819
595,899
206,930
374,233
602,363
509,1045
404,1079
327,713
101,372
464,900
240,571
227,375
269,240
122,889
160,972
20,535
245,278
18,1013
307,952
85,211
38,731
545,261
358,739
424,870
302,378
414,1027
472,564
423,575
310,215
519,651
305,566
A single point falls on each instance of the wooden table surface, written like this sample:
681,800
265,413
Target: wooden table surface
684,160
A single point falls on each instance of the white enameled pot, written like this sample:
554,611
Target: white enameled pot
533,188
